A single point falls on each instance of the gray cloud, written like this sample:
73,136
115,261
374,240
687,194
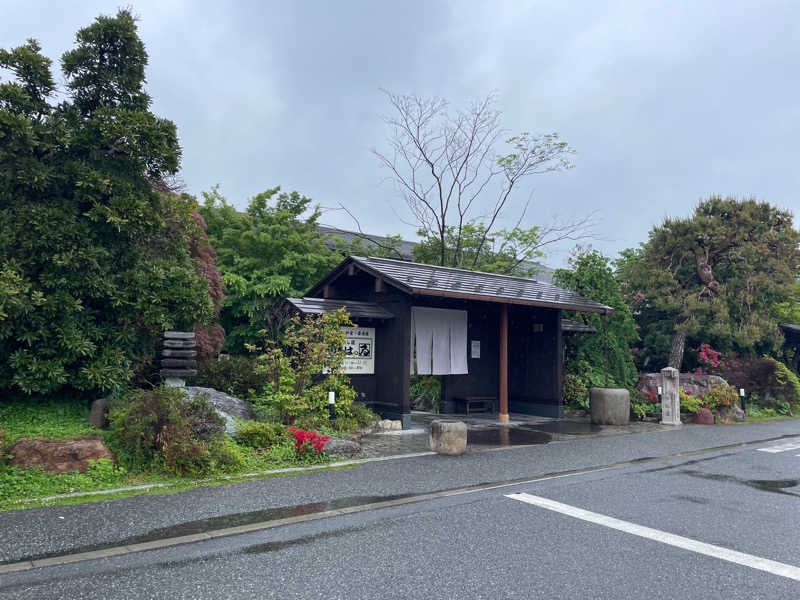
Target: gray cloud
665,102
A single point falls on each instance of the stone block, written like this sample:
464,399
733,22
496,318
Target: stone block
610,406
169,353
98,414
186,344
448,437
179,335
181,373
340,448
181,363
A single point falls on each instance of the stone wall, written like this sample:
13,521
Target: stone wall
691,383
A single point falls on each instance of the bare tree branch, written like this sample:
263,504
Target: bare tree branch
445,167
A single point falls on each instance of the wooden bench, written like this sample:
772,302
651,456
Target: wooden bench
480,404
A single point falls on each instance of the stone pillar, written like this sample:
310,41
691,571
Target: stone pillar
670,399
178,357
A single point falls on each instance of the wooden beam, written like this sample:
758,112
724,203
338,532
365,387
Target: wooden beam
502,394
326,291
351,269
378,284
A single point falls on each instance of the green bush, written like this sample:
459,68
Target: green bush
426,392
5,447
641,405
720,395
363,416
155,428
254,434
786,382
690,404
204,421
575,392
236,376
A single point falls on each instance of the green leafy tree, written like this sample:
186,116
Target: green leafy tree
266,254
591,275
714,277
506,252
94,263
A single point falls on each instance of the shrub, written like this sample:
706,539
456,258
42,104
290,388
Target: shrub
575,391
254,434
641,404
304,367
425,391
203,420
787,383
720,395
236,376
363,416
310,445
689,403
5,447
155,428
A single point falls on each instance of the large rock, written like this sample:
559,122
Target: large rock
691,383
98,414
703,417
60,455
339,448
448,437
229,407
610,406
389,425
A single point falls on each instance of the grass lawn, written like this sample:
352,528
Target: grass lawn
68,418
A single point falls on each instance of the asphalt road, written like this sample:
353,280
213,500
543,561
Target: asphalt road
662,528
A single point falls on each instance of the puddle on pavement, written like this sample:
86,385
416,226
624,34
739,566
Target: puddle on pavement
506,436
776,486
222,522
567,427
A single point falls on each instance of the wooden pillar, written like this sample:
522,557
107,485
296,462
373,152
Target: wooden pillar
503,366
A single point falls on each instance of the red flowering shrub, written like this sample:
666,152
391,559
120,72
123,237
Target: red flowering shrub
308,443
711,361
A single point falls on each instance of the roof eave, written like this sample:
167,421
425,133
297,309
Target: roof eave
605,310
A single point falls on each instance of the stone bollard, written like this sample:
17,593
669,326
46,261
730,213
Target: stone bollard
448,437
670,399
610,406
178,357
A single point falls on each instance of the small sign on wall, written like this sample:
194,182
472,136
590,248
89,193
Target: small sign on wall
475,349
359,351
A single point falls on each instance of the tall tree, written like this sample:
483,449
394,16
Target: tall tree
713,277
94,262
590,275
457,187
265,254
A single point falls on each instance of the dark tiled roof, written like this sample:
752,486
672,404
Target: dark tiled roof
357,310
570,326
430,280
369,242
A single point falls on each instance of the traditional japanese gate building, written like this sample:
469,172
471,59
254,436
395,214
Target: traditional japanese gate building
505,340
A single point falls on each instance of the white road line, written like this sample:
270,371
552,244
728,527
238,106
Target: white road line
781,447
740,558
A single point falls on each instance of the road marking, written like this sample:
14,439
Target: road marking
781,447
740,558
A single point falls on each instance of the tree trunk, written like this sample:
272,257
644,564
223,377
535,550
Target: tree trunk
676,352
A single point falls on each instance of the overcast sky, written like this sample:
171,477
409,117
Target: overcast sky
664,102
